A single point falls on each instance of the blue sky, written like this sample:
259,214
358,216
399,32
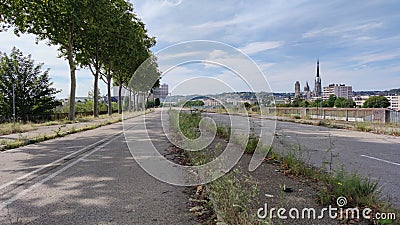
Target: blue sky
357,42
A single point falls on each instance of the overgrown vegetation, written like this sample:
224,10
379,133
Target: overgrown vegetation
232,195
360,192
229,194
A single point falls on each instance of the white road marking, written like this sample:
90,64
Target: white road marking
51,176
53,163
382,160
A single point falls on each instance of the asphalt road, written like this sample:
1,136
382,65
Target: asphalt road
86,178
371,155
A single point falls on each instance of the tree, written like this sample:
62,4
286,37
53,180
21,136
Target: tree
157,102
129,49
98,39
296,102
193,103
146,78
33,92
344,103
376,102
59,22
330,102
247,105
316,103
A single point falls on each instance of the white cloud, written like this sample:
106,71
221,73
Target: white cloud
376,57
342,29
257,47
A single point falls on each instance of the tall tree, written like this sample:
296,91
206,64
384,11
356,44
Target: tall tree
59,22
376,102
33,92
344,103
98,37
146,78
129,49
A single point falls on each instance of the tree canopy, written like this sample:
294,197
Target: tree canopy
376,102
344,103
34,94
98,34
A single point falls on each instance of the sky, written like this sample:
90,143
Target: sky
357,43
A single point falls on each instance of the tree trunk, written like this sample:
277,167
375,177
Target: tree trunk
72,68
137,101
144,102
71,113
120,98
96,94
134,101
109,93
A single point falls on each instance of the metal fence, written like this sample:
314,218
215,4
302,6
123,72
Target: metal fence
394,117
346,114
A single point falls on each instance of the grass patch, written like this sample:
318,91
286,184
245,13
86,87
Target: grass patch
363,127
10,128
231,196
224,132
22,141
251,144
359,191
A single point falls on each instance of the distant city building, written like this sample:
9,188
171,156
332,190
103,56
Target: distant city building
161,92
297,89
209,102
307,93
339,90
394,102
318,83
360,99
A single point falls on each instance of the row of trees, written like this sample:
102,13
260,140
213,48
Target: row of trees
339,102
103,35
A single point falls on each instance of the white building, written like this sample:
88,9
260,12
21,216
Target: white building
360,99
340,90
161,92
394,102
209,102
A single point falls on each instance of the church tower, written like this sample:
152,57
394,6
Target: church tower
318,83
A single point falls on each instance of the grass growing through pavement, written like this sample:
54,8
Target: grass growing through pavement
231,195
360,192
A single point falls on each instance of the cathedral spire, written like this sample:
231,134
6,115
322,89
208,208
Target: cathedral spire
318,83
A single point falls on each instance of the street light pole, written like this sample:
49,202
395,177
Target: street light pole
13,93
170,103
